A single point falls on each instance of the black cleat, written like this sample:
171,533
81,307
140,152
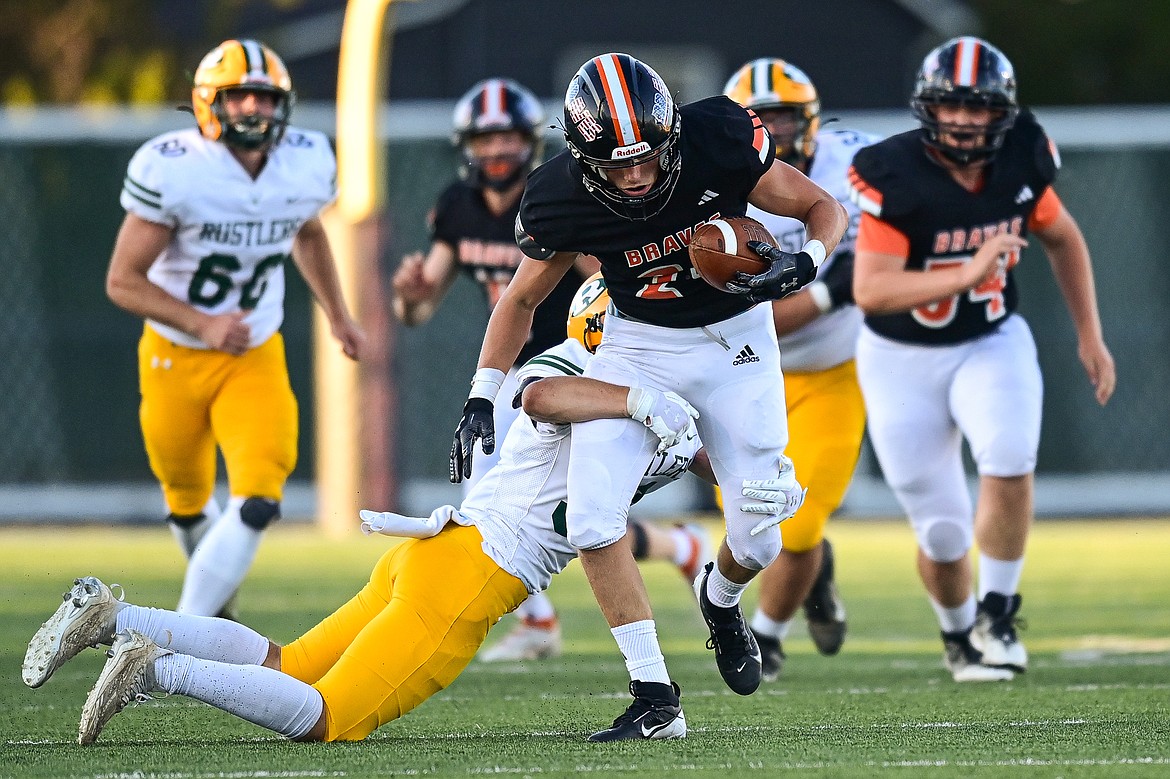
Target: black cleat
655,713
823,607
736,653
995,634
771,656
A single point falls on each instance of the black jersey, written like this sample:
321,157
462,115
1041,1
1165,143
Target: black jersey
946,224
485,249
725,150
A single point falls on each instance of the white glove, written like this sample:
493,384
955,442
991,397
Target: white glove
388,523
666,414
782,496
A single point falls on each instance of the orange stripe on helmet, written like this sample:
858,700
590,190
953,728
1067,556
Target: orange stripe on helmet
614,93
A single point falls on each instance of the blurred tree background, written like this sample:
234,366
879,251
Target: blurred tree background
1067,52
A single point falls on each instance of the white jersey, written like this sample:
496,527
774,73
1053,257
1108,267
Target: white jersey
519,505
831,339
232,233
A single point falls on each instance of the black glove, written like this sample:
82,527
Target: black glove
788,273
478,422
838,280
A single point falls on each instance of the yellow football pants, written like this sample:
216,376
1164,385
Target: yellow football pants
409,632
194,399
826,422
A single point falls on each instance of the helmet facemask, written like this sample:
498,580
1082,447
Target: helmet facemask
619,114
965,71
497,105
771,84
254,130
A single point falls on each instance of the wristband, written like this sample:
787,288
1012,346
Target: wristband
816,250
819,292
486,384
638,403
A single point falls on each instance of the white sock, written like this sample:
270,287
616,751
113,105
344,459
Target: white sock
766,626
207,638
219,564
954,620
638,642
684,545
536,608
257,694
189,536
1002,576
721,591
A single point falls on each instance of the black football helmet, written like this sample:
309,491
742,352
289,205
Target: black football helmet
619,113
497,105
966,71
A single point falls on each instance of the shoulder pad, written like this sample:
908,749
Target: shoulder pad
1042,150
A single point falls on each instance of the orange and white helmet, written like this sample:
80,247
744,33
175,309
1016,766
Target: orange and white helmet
770,83
242,64
587,312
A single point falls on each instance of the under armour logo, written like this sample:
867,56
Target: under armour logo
745,356
708,195
1024,195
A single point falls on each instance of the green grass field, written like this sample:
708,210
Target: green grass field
1095,702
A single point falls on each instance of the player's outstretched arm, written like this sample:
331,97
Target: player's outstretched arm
314,259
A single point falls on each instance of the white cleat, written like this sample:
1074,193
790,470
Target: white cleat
966,664
85,619
526,642
128,677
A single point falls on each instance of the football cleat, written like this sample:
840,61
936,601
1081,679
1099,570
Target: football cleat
736,653
966,663
85,619
823,607
994,633
771,656
655,713
530,640
128,677
701,552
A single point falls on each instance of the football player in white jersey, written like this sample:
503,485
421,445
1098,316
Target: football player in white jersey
462,569
213,214
817,329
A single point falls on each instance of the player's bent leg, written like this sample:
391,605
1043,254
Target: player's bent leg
220,563
446,595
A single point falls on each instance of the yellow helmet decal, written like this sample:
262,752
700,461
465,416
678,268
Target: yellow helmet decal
587,312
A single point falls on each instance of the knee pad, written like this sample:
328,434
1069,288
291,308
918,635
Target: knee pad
185,521
258,513
943,540
754,552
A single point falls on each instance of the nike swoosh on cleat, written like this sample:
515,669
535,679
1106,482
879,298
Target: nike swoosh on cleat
649,732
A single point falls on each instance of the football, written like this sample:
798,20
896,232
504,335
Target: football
719,249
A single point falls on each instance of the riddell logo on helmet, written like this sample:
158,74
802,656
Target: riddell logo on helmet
624,152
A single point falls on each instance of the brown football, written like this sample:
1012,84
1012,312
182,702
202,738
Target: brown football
719,249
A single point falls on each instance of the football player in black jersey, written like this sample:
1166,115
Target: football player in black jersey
943,356
497,126
639,174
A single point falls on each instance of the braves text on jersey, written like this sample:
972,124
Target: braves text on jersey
945,224
725,150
